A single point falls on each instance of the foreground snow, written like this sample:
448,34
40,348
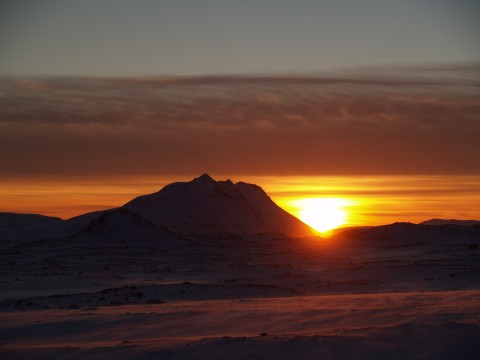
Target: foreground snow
227,296
426,325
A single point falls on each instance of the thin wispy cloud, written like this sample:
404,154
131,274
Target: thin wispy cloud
389,121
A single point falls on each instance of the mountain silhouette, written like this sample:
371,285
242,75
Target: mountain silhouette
200,206
450,222
403,233
204,205
18,228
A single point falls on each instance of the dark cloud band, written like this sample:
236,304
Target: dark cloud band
390,121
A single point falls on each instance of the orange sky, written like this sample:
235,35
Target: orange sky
374,199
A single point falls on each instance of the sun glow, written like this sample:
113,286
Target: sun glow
322,214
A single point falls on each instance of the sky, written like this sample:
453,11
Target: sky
190,37
103,100
407,121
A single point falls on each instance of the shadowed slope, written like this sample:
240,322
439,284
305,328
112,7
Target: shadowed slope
122,227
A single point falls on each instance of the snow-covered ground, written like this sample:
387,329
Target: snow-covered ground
122,283
242,297
442,325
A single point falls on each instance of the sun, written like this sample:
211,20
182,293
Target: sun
322,214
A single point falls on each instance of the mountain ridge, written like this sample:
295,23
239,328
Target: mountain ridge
450,222
406,232
204,205
200,206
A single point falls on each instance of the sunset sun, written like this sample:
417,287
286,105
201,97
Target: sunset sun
323,214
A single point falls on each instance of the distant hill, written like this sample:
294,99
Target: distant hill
340,230
18,228
204,205
451,222
404,233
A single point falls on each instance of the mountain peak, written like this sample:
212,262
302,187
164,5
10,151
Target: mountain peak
204,205
204,178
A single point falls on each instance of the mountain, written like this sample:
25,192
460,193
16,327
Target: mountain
340,230
204,205
201,206
404,233
18,228
451,222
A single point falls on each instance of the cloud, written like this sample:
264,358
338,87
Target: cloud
374,121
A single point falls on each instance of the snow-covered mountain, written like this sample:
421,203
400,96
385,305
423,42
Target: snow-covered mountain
200,206
204,205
